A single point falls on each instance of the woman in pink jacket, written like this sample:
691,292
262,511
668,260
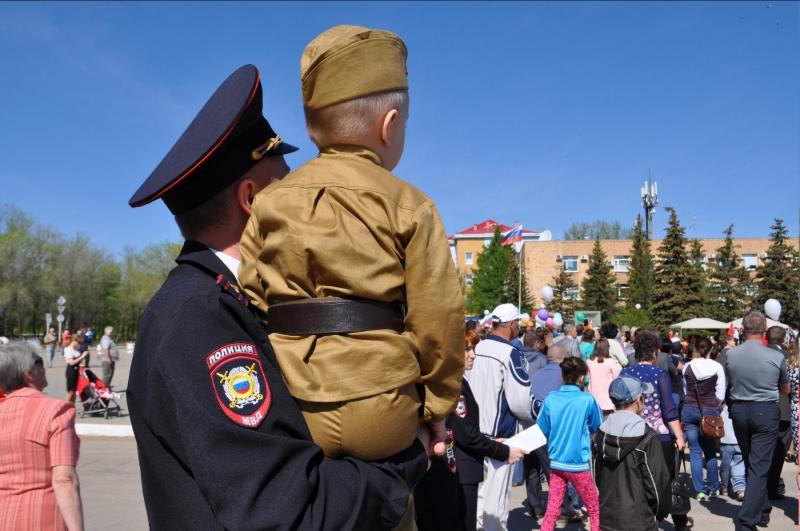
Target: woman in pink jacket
603,369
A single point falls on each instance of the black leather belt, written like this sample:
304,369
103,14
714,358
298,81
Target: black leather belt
332,315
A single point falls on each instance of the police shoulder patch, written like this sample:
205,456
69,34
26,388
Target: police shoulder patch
461,408
239,383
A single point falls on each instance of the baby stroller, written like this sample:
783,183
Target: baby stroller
95,396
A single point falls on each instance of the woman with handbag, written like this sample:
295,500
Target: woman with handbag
705,395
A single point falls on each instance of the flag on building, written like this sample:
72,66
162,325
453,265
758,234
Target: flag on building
513,237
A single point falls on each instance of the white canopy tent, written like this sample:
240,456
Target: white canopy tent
700,323
738,323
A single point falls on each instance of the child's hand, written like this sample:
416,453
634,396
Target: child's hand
438,437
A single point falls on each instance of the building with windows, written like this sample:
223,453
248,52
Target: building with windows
544,259
466,245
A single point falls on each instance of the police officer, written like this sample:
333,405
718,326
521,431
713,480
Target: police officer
222,445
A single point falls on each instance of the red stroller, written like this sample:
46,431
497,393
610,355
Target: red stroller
95,396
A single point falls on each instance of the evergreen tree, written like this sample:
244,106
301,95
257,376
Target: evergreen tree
562,303
779,277
599,292
640,272
676,296
496,280
728,281
698,282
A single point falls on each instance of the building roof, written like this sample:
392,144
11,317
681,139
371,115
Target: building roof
486,228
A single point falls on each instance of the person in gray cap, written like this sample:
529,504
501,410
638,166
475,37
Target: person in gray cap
630,470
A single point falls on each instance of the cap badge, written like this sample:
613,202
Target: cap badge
259,152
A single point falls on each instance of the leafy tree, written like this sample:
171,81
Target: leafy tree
598,230
676,296
779,277
640,272
599,292
38,264
728,281
698,282
496,280
633,317
562,303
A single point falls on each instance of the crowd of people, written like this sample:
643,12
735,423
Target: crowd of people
618,409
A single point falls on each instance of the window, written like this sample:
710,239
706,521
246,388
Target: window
468,279
750,261
622,263
572,293
468,258
621,291
570,264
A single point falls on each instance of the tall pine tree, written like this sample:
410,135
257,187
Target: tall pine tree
562,302
728,281
675,295
496,280
640,272
698,282
599,292
779,277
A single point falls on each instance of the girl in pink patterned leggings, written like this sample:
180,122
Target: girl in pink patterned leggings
568,418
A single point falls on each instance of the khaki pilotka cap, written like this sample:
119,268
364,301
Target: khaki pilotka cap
348,62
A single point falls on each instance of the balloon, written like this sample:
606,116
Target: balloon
547,293
542,314
773,309
549,323
558,321
580,317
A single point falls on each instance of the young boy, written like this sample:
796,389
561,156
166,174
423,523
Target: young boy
630,471
352,265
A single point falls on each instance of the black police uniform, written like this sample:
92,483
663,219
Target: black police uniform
222,444
435,500
203,470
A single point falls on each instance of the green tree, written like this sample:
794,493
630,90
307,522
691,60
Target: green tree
728,281
599,292
562,302
640,272
779,277
143,272
632,316
676,296
496,278
598,230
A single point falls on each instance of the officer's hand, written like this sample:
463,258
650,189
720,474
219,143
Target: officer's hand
515,454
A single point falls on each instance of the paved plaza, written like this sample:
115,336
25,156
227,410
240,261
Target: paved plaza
112,498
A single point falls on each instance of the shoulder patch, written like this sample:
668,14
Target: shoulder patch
239,383
461,408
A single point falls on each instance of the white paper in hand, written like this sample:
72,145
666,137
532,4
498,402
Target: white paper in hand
528,440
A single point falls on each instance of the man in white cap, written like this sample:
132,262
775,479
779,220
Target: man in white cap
499,380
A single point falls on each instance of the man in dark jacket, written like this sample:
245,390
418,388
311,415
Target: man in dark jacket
631,474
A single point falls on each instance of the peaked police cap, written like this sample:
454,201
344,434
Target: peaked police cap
227,137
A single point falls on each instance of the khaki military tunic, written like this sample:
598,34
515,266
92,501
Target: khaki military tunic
343,226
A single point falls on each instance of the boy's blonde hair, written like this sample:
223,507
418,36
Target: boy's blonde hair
350,121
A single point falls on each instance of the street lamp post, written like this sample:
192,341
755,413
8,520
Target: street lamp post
649,201
61,303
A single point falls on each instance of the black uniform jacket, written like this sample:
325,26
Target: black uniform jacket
222,444
472,445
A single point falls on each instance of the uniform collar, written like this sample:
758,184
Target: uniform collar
230,262
195,253
352,150
572,388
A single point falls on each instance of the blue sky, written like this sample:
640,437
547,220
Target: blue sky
542,113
